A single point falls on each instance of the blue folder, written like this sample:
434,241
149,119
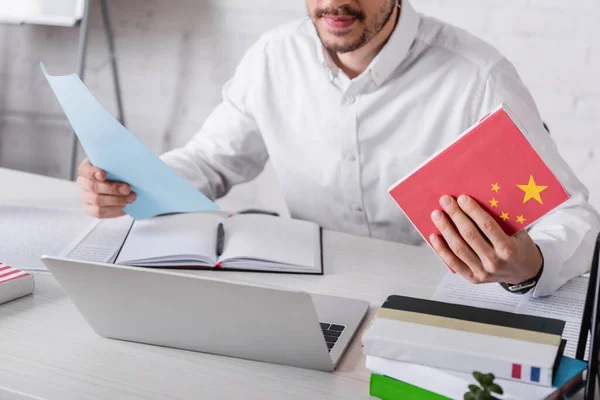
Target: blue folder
568,368
112,148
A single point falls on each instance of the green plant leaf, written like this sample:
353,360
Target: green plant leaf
494,388
479,377
474,389
488,379
469,396
481,396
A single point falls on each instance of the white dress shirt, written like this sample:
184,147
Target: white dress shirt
337,144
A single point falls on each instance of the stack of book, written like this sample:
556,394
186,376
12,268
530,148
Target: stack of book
424,349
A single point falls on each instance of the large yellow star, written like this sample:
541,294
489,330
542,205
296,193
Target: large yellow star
495,187
532,191
494,202
504,216
520,219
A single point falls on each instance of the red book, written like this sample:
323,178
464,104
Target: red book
494,163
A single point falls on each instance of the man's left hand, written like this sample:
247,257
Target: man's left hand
475,246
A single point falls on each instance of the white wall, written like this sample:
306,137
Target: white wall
175,55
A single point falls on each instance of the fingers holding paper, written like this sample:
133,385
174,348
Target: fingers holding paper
474,245
101,198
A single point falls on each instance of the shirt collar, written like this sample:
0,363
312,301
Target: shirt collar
397,46
392,53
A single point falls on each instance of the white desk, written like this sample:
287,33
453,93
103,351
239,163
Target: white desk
48,351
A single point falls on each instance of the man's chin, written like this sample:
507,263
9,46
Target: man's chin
341,46
340,41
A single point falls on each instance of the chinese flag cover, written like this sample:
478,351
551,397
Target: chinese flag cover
494,164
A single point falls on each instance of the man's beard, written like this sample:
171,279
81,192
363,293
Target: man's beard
372,28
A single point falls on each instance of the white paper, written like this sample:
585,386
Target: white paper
100,241
566,304
27,233
455,289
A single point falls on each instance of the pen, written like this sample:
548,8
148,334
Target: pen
220,239
256,211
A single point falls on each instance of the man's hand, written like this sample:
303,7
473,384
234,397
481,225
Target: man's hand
475,246
101,198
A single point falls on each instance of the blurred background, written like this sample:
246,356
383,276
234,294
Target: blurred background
174,56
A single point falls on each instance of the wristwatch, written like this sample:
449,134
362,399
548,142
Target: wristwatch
524,287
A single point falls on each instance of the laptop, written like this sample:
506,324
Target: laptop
210,315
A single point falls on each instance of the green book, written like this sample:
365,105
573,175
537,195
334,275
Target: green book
391,389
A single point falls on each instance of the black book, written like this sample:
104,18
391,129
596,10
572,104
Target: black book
204,240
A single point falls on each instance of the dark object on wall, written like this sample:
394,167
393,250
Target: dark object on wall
589,323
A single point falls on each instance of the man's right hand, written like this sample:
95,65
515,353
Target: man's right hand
102,198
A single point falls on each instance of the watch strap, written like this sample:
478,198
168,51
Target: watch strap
526,286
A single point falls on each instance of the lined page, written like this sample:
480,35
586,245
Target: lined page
455,289
566,304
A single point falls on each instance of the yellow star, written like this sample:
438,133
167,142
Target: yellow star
532,191
521,219
494,202
504,216
495,187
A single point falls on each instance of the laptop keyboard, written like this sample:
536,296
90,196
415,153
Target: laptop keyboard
332,333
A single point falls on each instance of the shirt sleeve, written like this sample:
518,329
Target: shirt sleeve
566,236
229,148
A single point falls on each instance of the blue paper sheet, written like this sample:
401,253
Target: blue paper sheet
112,148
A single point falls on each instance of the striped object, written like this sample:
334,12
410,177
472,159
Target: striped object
8,273
14,283
463,338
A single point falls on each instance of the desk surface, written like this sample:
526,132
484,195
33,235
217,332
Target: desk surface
48,351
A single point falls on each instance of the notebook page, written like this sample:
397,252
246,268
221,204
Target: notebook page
171,238
566,304
275,239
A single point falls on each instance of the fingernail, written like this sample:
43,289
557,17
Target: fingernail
131,198
98,176
436,215
433,238
462,199
124,189
445,201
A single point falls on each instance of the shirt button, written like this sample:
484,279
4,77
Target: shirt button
356,207
350,99
350,156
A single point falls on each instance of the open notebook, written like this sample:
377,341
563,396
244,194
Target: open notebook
254,242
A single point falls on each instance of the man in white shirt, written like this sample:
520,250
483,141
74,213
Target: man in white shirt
349,100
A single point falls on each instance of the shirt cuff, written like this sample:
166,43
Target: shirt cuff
549,281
